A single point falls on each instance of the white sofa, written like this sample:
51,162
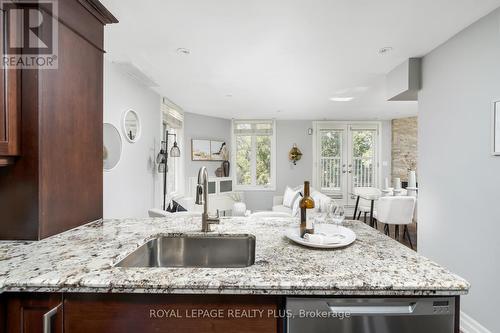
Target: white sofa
222,202
321,200
278,205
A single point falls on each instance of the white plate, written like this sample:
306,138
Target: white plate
328,229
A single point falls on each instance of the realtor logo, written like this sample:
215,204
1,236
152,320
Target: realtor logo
31,35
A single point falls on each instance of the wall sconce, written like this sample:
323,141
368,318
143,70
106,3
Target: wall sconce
295,154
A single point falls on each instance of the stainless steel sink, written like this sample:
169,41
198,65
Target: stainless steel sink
194,251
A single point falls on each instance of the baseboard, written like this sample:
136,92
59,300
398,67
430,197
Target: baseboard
469,325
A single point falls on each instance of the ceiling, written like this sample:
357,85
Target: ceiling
282,59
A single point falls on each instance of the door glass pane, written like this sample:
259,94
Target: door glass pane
263,160
363,158
330,160
243,159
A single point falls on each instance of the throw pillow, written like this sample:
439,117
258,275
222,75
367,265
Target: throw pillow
317,201
174,207
296,206
289,197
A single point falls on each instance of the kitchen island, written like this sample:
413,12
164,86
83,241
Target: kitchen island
81,262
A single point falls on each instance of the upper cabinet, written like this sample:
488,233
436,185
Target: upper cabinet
10,113
51,133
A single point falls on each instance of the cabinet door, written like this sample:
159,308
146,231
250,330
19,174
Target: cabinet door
10,113
34,313
150,313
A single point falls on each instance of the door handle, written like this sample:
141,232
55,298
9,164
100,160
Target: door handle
374,309
47,319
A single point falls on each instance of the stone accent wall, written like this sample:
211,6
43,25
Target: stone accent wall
404,147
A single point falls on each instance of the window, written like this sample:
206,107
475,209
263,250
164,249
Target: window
172,121
172,163
254,144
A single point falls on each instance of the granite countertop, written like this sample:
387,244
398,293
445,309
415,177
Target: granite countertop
83,259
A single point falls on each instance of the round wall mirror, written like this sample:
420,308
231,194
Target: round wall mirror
131,126
112,147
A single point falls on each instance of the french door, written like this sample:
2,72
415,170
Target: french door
345,156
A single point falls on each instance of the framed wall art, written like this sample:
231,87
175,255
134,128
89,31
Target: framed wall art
207,150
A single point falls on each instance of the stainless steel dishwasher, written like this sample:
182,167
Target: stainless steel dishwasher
371,315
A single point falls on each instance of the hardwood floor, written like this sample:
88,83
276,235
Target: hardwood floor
412,228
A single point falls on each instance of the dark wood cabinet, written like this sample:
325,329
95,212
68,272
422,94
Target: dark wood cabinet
145,313
10,112
170,313
55,182
27,313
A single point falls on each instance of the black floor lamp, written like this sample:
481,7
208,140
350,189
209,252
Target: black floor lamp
162,160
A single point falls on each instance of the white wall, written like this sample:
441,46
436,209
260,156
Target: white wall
133,186
459,179
288,132
295,131
386,152
202,127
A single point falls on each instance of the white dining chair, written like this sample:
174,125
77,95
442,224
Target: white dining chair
397,211
364,205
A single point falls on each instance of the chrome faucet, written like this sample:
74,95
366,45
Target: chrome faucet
202,199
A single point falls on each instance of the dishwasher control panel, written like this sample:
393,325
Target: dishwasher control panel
441,307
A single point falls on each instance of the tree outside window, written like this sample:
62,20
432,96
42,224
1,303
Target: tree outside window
253,151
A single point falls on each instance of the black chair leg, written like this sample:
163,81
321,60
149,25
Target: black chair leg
356,208
366,214
371,213
359,215
396,232
386,230
407,233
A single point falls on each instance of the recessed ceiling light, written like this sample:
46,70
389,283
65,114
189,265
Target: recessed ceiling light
341,99
183,51
385,50
229,95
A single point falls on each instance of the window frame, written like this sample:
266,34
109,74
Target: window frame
253,162
349,126
173,163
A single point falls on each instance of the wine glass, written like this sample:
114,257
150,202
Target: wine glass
338,214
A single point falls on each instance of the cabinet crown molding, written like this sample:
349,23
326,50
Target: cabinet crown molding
99,11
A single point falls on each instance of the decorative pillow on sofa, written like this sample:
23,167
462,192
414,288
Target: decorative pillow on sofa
174,207
317,201
290,197
321,201
296,206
